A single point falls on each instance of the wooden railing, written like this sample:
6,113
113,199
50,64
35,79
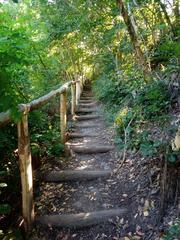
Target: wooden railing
24,150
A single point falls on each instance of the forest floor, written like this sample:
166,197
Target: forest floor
133,185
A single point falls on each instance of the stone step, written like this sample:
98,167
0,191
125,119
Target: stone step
75,175
80,220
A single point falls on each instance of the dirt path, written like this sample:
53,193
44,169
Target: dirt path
129,189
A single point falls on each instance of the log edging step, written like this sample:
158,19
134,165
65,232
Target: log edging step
80,220
81,135
87,126
86,98
86,117
90,149
86,105
86,110
87,101
75,175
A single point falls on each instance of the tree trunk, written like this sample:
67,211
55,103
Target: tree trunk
134,37
176,12
168,20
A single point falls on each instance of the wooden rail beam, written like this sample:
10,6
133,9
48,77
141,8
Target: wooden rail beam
5,117
25,163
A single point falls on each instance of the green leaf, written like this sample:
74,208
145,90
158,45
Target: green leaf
5,208
3,173
171,158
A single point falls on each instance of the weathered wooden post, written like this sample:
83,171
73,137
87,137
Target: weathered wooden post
73,99
63,115
25,163
81,85
78,91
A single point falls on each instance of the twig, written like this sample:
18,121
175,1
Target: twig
125,143
42,62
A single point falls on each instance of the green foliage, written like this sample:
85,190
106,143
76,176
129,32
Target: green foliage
172,156
123,118
165,50
46,43
46,136
109,90
11,234
173,232
55,149
147,146
153,100
5,208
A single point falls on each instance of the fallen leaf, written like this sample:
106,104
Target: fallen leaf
146,205
140,233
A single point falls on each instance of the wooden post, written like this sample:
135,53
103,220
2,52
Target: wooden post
73,99
78,92
63,115
24,153
82,83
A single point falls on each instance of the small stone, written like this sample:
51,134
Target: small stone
107,205
121,221
170,223
136,237
74,235
125,195
146,213
60,185
154,191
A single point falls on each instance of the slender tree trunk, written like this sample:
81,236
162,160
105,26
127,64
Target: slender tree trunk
168,20
160,18
134,37
176,12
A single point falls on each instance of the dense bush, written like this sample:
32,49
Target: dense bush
153,100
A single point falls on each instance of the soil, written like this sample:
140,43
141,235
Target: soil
134,186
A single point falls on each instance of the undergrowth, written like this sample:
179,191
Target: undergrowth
45,143
136,111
